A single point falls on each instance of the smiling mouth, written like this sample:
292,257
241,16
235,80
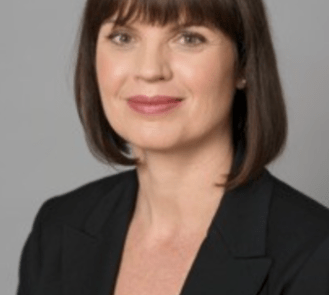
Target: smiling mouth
156,106
154,100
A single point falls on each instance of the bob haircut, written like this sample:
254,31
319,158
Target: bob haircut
259,120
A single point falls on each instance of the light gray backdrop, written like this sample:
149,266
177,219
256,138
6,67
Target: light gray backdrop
43,152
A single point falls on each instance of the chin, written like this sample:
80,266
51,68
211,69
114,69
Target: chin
154,144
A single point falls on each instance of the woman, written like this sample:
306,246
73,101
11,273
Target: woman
191,89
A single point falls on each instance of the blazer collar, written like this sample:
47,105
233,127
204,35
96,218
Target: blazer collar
233,250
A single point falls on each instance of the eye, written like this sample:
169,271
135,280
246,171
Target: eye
119,38
193,38
190,39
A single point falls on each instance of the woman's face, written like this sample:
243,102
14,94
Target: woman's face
195,64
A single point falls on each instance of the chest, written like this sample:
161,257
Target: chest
162,271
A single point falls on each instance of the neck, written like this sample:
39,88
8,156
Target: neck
177,193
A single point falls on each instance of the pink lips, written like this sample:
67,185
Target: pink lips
153,105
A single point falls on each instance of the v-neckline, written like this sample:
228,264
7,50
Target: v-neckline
122,252
121,229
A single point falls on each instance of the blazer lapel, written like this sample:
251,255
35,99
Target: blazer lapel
91,255
231,260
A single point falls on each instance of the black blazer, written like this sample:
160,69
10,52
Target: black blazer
266,238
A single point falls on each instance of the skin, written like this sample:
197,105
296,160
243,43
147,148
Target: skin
187,150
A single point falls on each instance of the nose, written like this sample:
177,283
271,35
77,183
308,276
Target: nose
152,63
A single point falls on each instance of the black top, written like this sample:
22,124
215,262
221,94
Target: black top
266,238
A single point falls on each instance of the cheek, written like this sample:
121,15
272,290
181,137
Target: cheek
110,72
210,75
210,80
102,67
217,75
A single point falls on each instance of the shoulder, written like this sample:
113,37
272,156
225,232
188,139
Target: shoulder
295,212
298,234
74,206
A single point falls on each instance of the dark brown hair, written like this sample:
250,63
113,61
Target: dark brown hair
259,121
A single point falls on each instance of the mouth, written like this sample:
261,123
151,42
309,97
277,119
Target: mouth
157,99
154,105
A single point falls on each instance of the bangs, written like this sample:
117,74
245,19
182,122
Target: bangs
220,14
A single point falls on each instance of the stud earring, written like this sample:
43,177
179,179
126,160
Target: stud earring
242,84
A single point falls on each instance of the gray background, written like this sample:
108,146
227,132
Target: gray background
43,152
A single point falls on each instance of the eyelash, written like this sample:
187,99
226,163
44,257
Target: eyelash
185,34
